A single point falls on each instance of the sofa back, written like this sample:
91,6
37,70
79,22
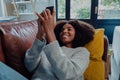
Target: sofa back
16,38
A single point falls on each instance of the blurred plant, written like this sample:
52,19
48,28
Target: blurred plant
83,13
61,8
109,2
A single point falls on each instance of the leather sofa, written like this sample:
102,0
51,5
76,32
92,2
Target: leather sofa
16,38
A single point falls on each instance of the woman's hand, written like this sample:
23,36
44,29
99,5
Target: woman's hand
41,32
48,19
48,22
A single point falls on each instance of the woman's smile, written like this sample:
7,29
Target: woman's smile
67,34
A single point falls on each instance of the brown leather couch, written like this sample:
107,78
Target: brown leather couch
16,38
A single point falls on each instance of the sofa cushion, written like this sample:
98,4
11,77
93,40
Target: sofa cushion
95,70
17,38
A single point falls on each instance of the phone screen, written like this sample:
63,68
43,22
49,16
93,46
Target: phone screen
50,8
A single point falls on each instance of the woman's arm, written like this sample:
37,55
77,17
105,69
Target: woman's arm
67,68
32,56
48,22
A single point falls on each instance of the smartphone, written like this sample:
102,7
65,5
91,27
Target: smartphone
50,8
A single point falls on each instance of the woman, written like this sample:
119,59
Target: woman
64,56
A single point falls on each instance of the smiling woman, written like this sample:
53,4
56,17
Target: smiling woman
64,57
67,35
81,29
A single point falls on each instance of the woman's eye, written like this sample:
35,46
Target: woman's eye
62,30
69,29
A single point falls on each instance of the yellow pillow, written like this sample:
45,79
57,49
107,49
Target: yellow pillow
95,70
96,46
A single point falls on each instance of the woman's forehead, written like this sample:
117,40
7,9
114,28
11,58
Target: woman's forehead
67,25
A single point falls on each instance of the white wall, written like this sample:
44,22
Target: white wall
5,7
42,4
0,10
39,7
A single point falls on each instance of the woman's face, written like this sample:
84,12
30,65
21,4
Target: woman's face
67,35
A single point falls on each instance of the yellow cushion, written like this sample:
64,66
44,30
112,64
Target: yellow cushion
96,46
95,70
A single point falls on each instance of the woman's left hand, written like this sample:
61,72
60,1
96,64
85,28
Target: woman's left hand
48,19
48,22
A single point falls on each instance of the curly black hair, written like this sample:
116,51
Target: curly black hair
84,32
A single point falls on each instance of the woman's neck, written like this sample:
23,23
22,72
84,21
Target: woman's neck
69,45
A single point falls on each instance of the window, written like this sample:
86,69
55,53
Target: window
73,9
109,9
88,9
61,8
79,9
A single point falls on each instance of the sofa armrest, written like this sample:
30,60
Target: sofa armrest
104,57
2,59
16,38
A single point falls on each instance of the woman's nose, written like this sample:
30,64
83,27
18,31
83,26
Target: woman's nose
65,30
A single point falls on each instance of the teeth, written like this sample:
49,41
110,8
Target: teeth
65,36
